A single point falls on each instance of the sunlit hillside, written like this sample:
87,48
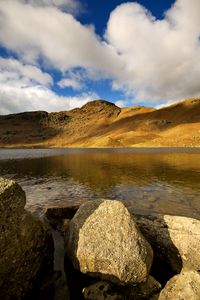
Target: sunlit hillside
102,124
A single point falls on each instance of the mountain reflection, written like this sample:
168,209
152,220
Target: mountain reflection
167,182
103,170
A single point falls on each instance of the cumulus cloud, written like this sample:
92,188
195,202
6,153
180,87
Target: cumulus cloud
27,88
121,103
71,6
16,98
14,71
161,57
73,80
69,82
36,32
148,59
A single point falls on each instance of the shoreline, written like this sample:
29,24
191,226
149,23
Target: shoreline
136,149
28,153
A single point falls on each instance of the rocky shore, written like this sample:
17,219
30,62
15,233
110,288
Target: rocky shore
109,252
26,246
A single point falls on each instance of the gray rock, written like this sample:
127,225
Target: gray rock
8,191
183,286
26,246
174,239
101,290
61,210
104,290
144,290
103,240
155,297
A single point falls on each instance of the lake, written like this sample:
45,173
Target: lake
151,180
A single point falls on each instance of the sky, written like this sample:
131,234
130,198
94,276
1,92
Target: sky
59,54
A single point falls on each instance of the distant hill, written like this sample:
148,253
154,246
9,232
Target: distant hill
102,124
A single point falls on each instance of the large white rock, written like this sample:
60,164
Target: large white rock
103,240
184,286
175,240
184,233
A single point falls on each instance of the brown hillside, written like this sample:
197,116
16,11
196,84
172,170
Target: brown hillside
102,124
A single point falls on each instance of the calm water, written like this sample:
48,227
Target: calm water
152,180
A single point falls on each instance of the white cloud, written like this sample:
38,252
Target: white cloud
68,82
121,103
150,60
27,88
16,98
71,6
57,37
73,80
161,57
11,69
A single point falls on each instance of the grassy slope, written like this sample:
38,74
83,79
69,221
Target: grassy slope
102,124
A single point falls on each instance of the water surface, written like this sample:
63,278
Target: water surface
152,180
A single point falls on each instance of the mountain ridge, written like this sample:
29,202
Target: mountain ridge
101,123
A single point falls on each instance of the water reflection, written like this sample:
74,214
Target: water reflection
161,182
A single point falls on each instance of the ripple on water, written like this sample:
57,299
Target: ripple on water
155,182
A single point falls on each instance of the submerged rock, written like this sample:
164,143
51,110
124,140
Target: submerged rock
26,246
184,286
103,240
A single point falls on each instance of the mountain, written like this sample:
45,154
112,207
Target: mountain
102,124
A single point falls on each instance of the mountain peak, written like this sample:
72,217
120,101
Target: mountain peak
98,103
101,123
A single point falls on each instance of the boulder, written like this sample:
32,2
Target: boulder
61,210
26,246
101,290
144,290
103,240
9,190
174,239
184,286
104,290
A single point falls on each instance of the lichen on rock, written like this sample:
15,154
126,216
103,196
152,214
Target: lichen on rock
103,240
184,286
26,246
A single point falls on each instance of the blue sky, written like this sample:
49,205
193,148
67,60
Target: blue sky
97,12
59,54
